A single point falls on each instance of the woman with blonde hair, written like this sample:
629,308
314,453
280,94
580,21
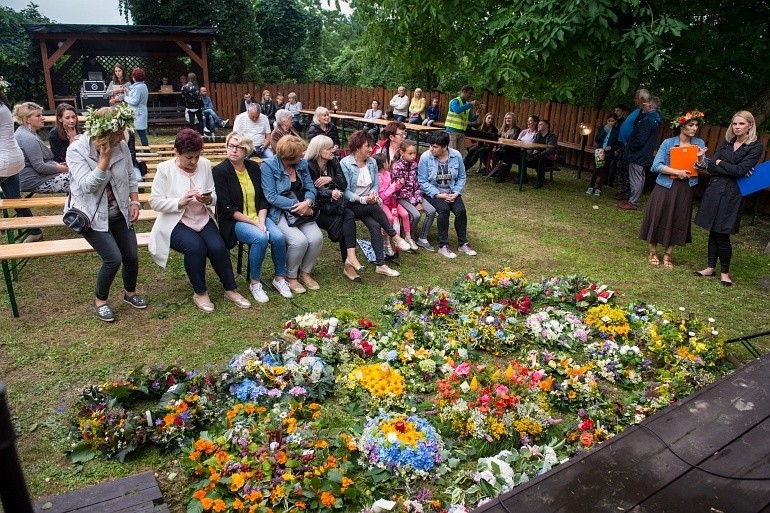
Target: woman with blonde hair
322,125
417,107
291,194
104,188
722,203
41,173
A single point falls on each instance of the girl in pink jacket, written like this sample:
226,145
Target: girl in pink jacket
396,214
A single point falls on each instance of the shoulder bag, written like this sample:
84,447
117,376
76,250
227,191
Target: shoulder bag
78,220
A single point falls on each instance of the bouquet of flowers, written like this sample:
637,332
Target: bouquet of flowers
434,303
557,326
487,286
377,384
404,445
592,295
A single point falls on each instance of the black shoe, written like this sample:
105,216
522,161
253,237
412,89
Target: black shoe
701,275
727,283
104,313
136,301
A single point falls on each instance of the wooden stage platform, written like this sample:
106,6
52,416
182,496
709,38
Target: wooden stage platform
134,494
708,454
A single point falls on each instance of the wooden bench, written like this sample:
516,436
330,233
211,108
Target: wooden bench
46,202
166,116
14,255
25,223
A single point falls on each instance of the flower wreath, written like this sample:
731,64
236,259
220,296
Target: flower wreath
692,115
119,118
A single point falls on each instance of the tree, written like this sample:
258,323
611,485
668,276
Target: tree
18,56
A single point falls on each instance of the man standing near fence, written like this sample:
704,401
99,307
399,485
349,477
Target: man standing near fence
461,111
641,144
193,103
626,127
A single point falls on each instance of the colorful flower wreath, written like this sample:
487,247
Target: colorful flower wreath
692,115
120,117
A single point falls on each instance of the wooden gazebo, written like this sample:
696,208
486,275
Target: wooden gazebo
62,46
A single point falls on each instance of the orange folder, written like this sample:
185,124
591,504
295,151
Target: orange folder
684,158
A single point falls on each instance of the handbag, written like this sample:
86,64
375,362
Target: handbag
293,219
76,219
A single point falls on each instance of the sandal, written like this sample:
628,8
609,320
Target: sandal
652,258
667,262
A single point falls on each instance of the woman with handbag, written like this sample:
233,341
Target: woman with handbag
183,193
242,214
104,199
291,194
338,221
362,194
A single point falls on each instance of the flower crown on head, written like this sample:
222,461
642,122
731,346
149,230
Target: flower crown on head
120,118
692,115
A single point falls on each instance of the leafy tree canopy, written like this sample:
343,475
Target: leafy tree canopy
18,55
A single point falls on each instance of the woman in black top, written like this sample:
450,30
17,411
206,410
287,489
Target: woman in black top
64,131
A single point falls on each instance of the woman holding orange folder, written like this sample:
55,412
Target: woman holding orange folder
669,211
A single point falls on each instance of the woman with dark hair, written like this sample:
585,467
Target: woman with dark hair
480,151
183,193
338,221
41,172
104,188
64,131
291,194
136,96
667,217
11,163
322,125
393,133
362,195
722,203
242,214
116,91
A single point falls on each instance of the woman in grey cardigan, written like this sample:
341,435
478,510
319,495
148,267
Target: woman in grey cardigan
40,173
104,187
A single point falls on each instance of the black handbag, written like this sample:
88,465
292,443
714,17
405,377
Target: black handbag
78,220
293,219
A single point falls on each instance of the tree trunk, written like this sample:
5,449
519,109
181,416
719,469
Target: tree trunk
760,104
604,90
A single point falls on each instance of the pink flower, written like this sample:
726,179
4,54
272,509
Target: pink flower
501,389
463,369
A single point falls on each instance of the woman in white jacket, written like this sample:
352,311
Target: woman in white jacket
103,186
183,193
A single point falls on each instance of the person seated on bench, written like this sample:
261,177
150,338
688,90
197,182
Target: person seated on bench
104,188
41,173
504,157
480,151
284,122
543,160
183,193
295,107
64,131
11,162
211,119
322,125
256,126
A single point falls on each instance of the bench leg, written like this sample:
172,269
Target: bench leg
9,288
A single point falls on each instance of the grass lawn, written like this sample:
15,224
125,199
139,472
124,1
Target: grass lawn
58,346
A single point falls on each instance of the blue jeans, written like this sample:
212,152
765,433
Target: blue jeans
257,241
212,120
143,136
11,186
196,247
265,154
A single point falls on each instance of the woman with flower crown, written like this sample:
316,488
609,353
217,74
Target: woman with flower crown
103,186
667,218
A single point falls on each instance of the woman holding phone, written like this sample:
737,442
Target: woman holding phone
183,193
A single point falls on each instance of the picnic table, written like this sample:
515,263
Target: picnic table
524,146
417,129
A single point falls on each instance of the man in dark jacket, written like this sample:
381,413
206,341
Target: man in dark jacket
543,160
638,152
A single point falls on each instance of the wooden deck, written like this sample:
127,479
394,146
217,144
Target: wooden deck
134,494
710,453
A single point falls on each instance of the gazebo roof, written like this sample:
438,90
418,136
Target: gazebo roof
59,41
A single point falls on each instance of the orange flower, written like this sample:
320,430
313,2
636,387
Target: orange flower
300,505
195,455
214,477
255,496
346,482
587,439
281,457
327,499
546,384
206,503
238,505
314,406
168,420
277,494
321,444
236,481
199,494
250,408
219,506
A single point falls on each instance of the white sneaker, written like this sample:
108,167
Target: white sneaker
206,130
467,249
597,192
225,122
445,251
401,243
411,243
283,288
258,293
590,191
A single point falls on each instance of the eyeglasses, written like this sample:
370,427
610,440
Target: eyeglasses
234,147
402,134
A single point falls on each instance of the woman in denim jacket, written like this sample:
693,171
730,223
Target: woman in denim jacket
442,177
287,171
669,211
363,198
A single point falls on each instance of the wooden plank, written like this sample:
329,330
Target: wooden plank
107,497
56,247
25,223
45,202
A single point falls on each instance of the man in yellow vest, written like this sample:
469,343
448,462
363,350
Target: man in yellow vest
461,110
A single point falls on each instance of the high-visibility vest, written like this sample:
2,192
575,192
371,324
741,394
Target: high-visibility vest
457,121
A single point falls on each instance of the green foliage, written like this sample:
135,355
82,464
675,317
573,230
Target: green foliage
18,55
